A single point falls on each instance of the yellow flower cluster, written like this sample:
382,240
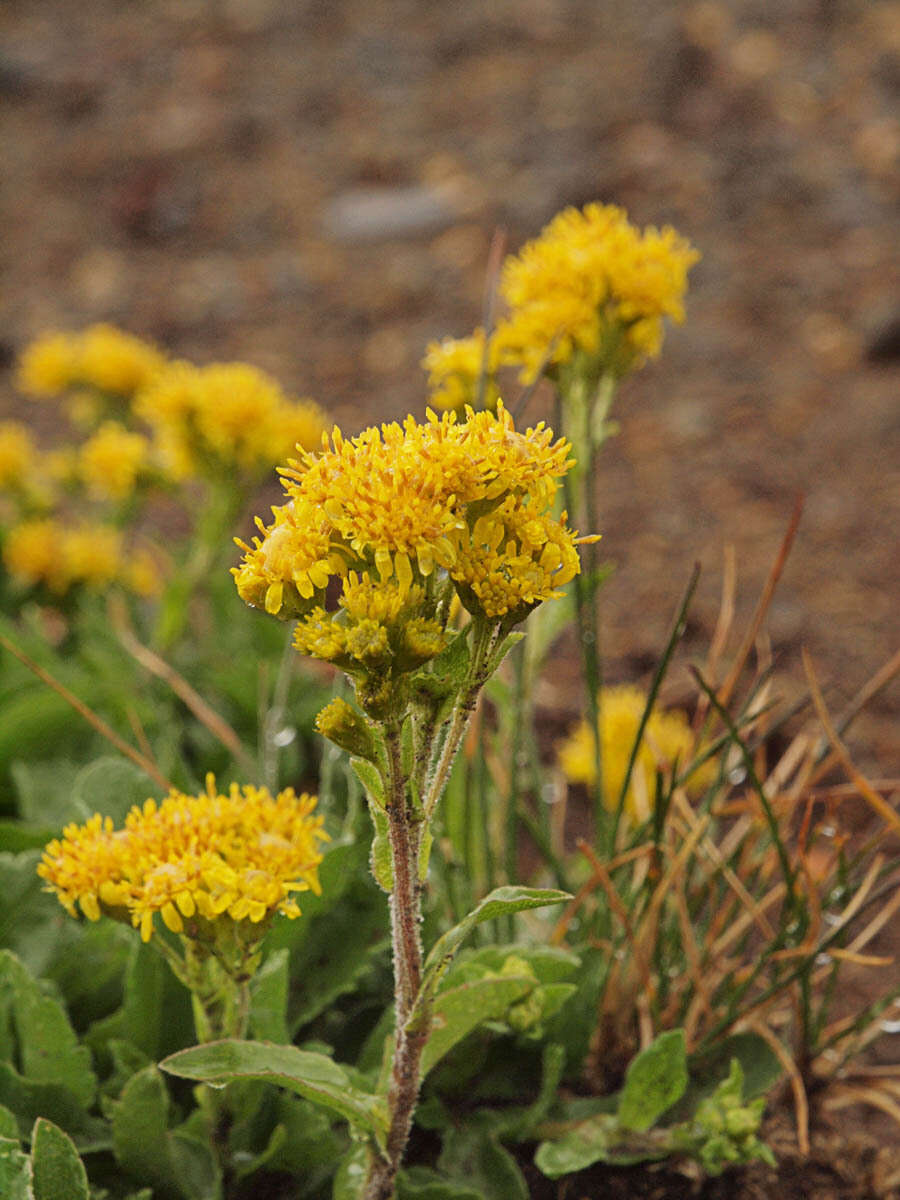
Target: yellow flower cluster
592,283
194,860
225,415
17,454
110,461
44,552
667,738
99,357
393,513
455,367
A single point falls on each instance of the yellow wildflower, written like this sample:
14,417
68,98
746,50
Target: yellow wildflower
667,737
116,362
32,554
48,365
593,284
225,415
91,554
379,626
110,461
455,367
513,558
42,551
17,454
196,861
100,357
393,513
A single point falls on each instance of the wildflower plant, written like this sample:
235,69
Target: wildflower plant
405,524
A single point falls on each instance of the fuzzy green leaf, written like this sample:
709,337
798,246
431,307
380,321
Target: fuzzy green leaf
380,860
314,1076
268,999
500,902
140,1132
15,1172
353,1169
473,1153
422,1183
48,1046
58,1172
457,1011
654,1081
370,777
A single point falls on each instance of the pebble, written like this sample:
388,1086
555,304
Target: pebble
382,214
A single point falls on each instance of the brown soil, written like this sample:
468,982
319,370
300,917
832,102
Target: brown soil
202,172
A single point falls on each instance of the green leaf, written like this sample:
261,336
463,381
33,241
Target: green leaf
156,1013
140,1132
16,837
457,1011
110,786
353,1169
452,664
422,1183
314,1076
582,1146
9,1126
59,1173
380,861
48,1046
500,902
473,1153
15,1172
511,639
32,922
268,999
759,1063
44,792
370,777
29,1100
655,1079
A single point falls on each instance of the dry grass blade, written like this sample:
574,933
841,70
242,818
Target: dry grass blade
801,1101
845,1096
190,697
140,760
762,607
877,802
620,910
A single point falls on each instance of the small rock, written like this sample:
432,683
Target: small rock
380,214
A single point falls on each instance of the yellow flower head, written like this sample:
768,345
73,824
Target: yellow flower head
225,415
513,558
32,553
667,738
593,284
17,454
101,357
455,366
48,365
44,552
196,861
398,515
379,627
110,461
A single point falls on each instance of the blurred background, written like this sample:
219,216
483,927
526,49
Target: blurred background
313,186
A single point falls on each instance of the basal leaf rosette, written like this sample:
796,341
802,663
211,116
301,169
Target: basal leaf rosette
212,868
400,517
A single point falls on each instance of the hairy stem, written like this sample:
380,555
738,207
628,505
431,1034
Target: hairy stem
405,829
